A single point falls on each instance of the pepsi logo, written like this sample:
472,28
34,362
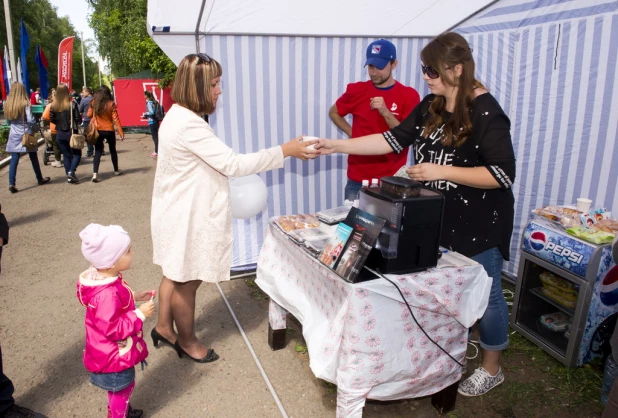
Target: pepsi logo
538,240
609,288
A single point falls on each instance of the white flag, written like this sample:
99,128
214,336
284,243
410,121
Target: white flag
19,70
7,63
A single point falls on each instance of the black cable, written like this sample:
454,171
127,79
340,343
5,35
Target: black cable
413,317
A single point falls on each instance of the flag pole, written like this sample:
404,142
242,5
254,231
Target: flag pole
12,76
83,59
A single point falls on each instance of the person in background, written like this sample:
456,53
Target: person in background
52,130
8,408
103,110
60,113
35,97
83,110
462,147
75,96
193,172
376,105
18,113
153,123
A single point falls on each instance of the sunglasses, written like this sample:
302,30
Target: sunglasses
430,71
204,57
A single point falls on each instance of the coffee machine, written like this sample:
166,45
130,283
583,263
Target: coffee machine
410,239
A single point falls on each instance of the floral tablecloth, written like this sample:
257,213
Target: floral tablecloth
361,336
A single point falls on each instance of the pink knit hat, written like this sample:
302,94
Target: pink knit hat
102,245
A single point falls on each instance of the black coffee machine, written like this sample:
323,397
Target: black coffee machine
410,240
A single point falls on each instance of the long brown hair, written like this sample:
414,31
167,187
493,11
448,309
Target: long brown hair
443,52
16,102
101,98
62,101
191,88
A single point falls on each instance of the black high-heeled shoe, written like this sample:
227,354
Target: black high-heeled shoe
210,354
156,337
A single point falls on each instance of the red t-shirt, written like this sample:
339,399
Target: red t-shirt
400,100
33,98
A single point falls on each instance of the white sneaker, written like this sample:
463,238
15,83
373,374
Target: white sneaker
480,382
118,173
56,164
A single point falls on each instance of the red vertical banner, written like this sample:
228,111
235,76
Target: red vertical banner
65,61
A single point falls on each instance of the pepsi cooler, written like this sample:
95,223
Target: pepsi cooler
566,297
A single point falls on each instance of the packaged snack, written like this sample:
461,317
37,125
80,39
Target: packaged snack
292,222
563,285
607,225
301,235
556,321
558,298
566,217
592,235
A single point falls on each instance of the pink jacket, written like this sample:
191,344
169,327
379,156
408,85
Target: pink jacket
114,338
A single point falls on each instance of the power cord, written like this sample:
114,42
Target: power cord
377,273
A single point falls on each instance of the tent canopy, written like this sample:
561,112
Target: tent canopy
344,18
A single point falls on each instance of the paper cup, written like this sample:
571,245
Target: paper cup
310,138
583,204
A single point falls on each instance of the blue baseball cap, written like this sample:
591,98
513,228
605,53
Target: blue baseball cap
380,52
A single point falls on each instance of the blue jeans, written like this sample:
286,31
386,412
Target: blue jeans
113,382
72,156
34,159
154,131
351,190
494,325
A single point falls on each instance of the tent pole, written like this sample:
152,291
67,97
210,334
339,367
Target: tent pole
197,27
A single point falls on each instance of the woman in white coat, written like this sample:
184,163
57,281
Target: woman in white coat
191,217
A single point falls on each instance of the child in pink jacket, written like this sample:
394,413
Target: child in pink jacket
114,337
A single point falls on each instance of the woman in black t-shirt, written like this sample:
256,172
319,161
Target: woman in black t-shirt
462,147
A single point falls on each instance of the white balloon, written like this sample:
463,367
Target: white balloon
249,196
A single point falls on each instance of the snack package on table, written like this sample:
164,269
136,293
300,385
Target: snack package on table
292,222
566,217
608,225
592,235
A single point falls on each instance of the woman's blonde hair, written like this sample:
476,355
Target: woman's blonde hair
443,52
52,95
16,102
62,101
191,88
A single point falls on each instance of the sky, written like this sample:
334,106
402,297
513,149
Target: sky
77,11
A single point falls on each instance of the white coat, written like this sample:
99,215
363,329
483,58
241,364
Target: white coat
191,220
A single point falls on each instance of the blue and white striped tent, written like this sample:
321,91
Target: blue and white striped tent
551,64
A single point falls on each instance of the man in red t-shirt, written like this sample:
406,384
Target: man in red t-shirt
376,105
35,97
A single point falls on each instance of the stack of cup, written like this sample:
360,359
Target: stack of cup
584,204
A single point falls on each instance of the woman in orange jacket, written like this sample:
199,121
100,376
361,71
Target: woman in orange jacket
102,112
52,129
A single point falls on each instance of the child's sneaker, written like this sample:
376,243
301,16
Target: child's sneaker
153,155
480,382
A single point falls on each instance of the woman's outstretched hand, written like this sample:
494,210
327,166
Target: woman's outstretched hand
300,149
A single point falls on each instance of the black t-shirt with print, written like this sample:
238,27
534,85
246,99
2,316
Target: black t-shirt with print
475,219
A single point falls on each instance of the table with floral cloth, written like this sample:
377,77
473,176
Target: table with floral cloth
361,336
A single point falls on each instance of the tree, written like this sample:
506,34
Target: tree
120,29
47,30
